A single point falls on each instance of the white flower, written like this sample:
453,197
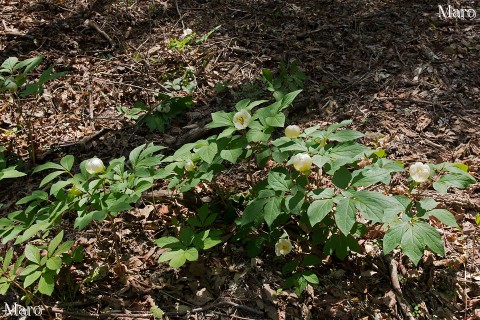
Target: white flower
283,247
241,119
302,162
189,165
94,165
186,33
419,172
292,131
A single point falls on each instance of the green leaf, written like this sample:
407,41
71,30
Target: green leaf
52,246
67,162
345,215
427,204
228,132
393,237
444,216
288,99
372,204
322,193
431,237
156,312
191,254
457,180
178,260
221,119
272,210
7,259
32,253
167,242
310,277
278,181
31,278
208,153
331,128
345,135
50,177
413,244
342,178
64,247
9,65
231,155
10,173
253,210
30,232
318,210
48,165
277,120
54,263
257,132
135,154
36,195
29,269
369,176
46,284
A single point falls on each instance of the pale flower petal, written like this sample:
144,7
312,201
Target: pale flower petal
241,119
419,172
283,247
94,166
302,162
292,131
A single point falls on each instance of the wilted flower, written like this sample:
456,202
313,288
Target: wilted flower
302,162
241,119
419,172
189,165
94,166
292,131
283,247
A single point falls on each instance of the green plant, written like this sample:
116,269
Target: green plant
14,76
190,38
290,78
158,118
190,241
7,172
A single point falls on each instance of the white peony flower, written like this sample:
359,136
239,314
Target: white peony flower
283,247
419,172
292,131
94,166
189,165
241,119
302,162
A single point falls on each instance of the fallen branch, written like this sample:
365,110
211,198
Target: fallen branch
393,264
188,199
118,314
93,25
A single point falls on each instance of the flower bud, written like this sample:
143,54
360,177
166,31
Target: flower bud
302,162
94,166
292,131
283,247
241,119
419,172
189,165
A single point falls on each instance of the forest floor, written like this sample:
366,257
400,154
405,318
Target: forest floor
406,77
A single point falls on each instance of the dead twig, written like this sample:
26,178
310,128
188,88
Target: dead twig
393,264
93,25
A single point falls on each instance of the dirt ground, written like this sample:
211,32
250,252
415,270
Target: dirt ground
407,78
